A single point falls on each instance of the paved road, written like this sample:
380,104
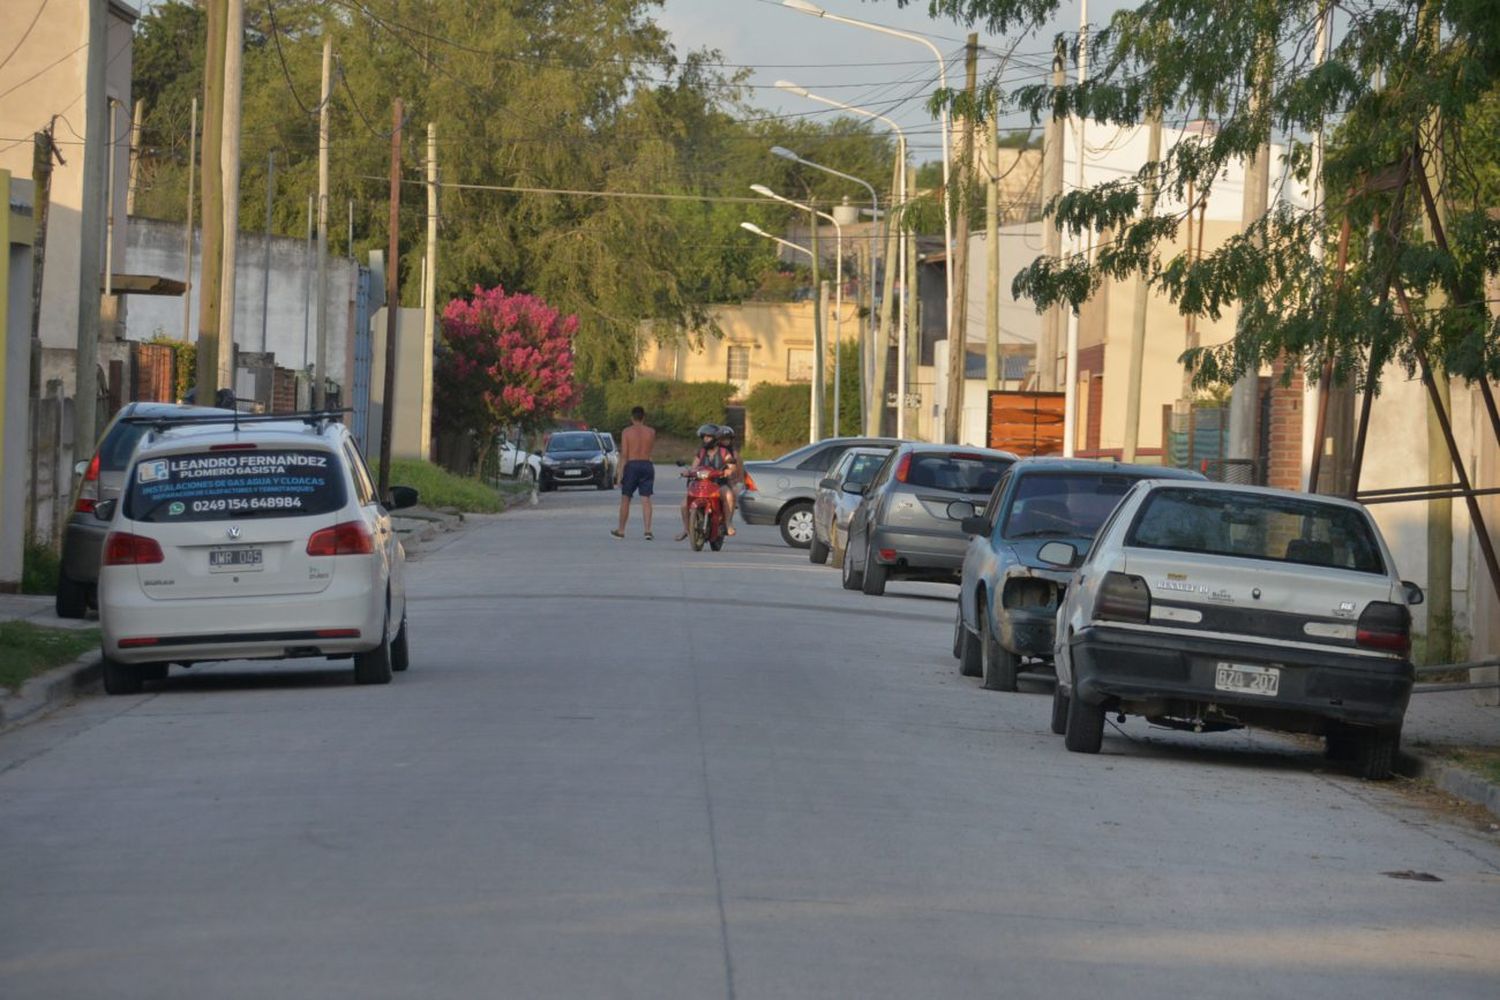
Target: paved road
624,769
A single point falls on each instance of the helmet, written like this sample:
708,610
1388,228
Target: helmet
709,430
726,433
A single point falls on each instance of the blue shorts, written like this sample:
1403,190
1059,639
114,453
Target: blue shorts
639,475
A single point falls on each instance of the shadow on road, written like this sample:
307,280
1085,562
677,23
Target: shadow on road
253,680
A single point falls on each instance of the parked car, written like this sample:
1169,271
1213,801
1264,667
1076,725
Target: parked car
611,454
835,503
908,524
103,475
574,458
519,462
1205,606
257,540
1008,597
782,491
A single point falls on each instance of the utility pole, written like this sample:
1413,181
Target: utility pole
875,417
307,268
1052,185
992,260
392,302
321,358
1138,314
234,46
1244,399
820,309
265,281
1084,241
958,260
207,385
187,236
109,206
96,137
42,155
429,292
134,176
913,325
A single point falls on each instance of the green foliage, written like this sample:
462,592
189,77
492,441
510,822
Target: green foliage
440,488
185,368
849,415
777,415
39,566
673,408
1403,78
33,649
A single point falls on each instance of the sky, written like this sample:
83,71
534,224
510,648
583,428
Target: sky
892,76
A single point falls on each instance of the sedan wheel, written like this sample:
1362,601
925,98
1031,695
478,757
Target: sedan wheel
1083,731
969,659
797,525
817,552
1059,711
999,665
853,579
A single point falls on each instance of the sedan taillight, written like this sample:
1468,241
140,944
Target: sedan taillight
1123,598
1384,626
350,538
121,548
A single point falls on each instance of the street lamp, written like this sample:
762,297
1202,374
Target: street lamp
901,338
838,280
814,416
804,7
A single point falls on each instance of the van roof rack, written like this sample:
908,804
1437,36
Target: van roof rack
313,418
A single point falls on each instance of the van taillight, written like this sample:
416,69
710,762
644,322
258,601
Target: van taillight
121,548
88,493
903,467
1385,626
351,538
1123,598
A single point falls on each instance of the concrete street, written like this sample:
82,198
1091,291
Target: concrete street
624,769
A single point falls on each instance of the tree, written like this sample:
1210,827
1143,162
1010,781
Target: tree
1404,79
506,360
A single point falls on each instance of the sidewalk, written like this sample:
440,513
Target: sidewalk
1439,724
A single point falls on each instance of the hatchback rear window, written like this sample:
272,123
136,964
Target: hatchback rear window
958,472
1257,526
1064,505
217,485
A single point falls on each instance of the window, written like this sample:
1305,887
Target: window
739,364
1255,526
217,485
956,471
863,468
364,490
821,461
1063,505
799,364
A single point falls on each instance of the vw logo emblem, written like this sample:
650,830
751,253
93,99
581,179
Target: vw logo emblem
233,531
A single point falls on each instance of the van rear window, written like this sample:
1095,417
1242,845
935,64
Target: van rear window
216,485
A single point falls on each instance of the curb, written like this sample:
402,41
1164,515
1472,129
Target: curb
1450,778
46,692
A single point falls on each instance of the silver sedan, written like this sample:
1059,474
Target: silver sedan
835,502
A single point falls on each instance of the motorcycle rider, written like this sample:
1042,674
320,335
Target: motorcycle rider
710,456
735,478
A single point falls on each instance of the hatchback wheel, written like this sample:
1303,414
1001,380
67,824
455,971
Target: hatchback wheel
1083,730
797,525
374,667
121,678
853,579
875,575
999,665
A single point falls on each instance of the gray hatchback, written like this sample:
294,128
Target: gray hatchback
908,526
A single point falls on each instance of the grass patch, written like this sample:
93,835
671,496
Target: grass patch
27,650
39,566
1485,763
441,488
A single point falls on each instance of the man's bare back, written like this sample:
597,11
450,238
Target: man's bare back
637,442
636,473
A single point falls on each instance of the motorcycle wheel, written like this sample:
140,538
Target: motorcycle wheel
698,529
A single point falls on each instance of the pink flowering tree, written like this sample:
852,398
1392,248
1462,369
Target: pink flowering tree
506,360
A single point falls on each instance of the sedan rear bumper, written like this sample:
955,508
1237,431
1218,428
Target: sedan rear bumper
1112,665
757,508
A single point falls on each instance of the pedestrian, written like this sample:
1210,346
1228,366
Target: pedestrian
636,473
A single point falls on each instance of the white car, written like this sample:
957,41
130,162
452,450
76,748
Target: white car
1205,606
256,538
516,463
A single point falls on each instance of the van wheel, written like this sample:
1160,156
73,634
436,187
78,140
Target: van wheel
999,665
72,597
400,657
1375,754
1059,711
1083,730
374,667
121,678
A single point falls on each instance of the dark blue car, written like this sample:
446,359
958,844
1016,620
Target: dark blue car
1008,598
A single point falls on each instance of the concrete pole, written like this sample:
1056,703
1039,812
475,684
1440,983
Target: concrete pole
875,417
265,279
134,175
211,256
838,327
392,301
820,370
307,269
95,133
912,331
234,47
1244,399
1070,363
1052,185
429,291
815,408
958,263
992,257
1138,313
187,237
320,359
109,200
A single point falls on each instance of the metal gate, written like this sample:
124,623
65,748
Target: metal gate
364,357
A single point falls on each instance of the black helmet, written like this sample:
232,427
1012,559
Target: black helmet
726,433
709,430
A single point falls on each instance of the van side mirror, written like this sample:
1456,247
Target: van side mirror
1414,595
1060,554
403,497
104,510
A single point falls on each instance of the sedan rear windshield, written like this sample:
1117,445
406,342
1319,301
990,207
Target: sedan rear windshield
959,472
573,442
218,485
1257,526
1063,504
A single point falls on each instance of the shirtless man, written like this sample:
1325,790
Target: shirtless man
637,473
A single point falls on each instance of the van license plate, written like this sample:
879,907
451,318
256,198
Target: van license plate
242,560
1244,679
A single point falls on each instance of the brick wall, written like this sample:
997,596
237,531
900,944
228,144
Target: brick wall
1284,459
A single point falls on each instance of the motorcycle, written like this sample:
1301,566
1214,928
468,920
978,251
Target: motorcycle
705,509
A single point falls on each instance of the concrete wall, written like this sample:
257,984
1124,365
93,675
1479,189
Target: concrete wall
15,353
156,247
771,331
407,422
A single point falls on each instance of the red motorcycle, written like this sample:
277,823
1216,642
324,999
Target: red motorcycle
705,509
